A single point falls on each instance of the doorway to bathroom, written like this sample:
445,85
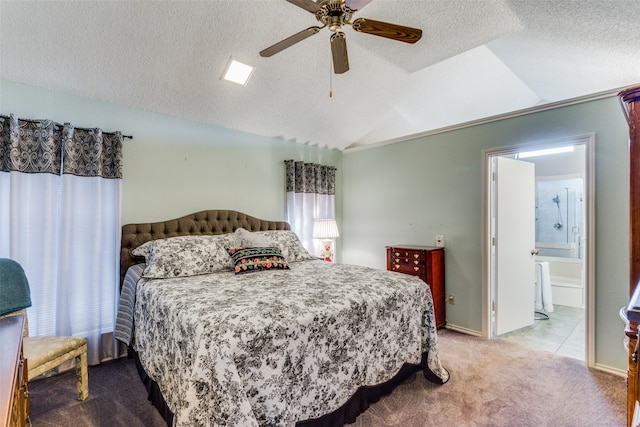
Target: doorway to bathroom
538,245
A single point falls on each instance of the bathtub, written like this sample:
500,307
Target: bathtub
567,280
564,250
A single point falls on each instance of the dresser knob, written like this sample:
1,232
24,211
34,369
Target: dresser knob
416,255
397,253
416,262
416,268
397,266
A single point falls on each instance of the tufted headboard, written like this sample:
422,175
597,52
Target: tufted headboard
204,222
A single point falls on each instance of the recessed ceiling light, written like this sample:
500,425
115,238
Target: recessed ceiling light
237,72
535,153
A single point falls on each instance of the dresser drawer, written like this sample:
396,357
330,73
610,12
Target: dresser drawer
407,268
408,255
408,261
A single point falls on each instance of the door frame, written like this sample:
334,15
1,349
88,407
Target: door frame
588,140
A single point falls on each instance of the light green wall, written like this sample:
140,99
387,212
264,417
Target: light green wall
400,193
174,167
408,192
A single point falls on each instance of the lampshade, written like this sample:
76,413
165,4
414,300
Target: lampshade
325,229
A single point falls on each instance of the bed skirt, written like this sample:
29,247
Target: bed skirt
346,414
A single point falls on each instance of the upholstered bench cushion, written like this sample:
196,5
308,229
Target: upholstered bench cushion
41,350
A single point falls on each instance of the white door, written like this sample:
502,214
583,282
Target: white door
514,233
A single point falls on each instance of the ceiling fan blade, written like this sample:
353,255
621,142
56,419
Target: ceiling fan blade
289,41
385,29
357,4
307,5
339,53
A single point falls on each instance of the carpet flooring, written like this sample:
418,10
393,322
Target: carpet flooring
493,383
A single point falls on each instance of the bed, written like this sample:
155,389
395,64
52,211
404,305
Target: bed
232,322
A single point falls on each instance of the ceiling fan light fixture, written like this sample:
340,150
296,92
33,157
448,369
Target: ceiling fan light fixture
237,72
335,14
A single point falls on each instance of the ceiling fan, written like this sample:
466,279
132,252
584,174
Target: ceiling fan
334,14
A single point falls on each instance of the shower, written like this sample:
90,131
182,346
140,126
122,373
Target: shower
559,212
558,225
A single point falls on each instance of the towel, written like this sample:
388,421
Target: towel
543,287
14,287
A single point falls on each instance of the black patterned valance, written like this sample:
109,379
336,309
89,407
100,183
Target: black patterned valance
90,152
310,178
43,146
31,146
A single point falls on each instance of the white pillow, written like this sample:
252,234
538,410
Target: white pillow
289,244
247,239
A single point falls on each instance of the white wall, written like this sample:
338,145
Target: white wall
408,192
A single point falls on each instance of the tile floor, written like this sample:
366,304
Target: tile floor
563,333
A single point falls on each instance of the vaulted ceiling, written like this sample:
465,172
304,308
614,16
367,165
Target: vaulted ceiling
476,59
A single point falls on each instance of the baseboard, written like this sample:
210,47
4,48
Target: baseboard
609,369
604,368
463,330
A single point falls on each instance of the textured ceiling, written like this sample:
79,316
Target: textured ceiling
476,59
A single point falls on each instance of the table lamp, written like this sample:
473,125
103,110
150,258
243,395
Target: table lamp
326,230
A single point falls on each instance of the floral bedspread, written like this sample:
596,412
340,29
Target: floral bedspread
276,347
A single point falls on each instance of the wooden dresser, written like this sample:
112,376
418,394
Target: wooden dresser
426,262
630,101
14,392
632,315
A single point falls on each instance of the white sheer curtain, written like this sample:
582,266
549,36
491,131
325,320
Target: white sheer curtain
310,191
60,205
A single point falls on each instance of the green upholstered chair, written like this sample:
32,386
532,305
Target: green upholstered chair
42,353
